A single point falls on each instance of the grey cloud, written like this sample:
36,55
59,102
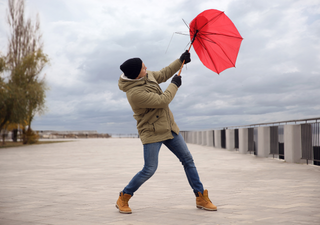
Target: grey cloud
276,74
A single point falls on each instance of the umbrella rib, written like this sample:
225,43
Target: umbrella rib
209,40
200,40
225,35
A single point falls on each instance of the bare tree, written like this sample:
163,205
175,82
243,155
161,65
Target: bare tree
25,60
25,35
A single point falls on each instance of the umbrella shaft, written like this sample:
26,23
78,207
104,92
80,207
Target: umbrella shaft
184,60
194,37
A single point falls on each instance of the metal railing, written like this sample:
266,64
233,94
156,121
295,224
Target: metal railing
279,122
310,138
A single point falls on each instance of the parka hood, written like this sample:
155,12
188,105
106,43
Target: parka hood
126,83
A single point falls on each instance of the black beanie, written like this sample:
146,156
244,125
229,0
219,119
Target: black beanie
132,67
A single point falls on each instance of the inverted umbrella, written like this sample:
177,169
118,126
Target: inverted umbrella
215,39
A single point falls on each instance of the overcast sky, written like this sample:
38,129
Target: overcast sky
276,76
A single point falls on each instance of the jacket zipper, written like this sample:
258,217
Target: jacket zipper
157,86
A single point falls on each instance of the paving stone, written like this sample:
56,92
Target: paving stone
78,182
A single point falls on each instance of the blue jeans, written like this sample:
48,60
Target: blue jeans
178,147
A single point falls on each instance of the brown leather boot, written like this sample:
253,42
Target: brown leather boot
203,202
122,203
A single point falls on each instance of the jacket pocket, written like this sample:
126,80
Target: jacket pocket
159,123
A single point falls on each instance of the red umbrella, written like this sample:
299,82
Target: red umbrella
215,39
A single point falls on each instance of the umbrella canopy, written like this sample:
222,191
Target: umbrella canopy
215,39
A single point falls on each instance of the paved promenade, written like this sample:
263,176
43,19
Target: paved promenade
77,183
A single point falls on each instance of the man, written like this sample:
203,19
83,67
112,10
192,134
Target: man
156,126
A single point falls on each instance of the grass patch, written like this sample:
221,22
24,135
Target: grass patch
19,144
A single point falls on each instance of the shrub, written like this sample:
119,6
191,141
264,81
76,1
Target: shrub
30,137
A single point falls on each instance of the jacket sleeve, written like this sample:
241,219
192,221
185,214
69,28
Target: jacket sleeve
164,74
145,99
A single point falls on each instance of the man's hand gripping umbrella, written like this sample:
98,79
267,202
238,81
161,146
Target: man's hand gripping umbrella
187,52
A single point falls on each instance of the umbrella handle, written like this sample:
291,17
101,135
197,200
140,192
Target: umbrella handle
184,61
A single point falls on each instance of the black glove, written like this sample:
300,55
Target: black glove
176,80
186,57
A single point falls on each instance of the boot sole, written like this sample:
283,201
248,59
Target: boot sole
124,212
208,209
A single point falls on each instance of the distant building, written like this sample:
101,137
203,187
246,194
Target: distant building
51,134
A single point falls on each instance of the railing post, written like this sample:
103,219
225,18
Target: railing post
204,137
292,143
199,137
263,142
194,137
210,138
230,139
243,140
217,138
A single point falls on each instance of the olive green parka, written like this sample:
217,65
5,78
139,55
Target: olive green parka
150,104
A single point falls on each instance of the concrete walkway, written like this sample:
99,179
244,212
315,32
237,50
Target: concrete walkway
77,183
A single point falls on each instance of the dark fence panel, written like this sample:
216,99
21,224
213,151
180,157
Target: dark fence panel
250,140
316,153
214,142
255,138
281,150
306,141
281,141
236,138
223,138
316,143
274,140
